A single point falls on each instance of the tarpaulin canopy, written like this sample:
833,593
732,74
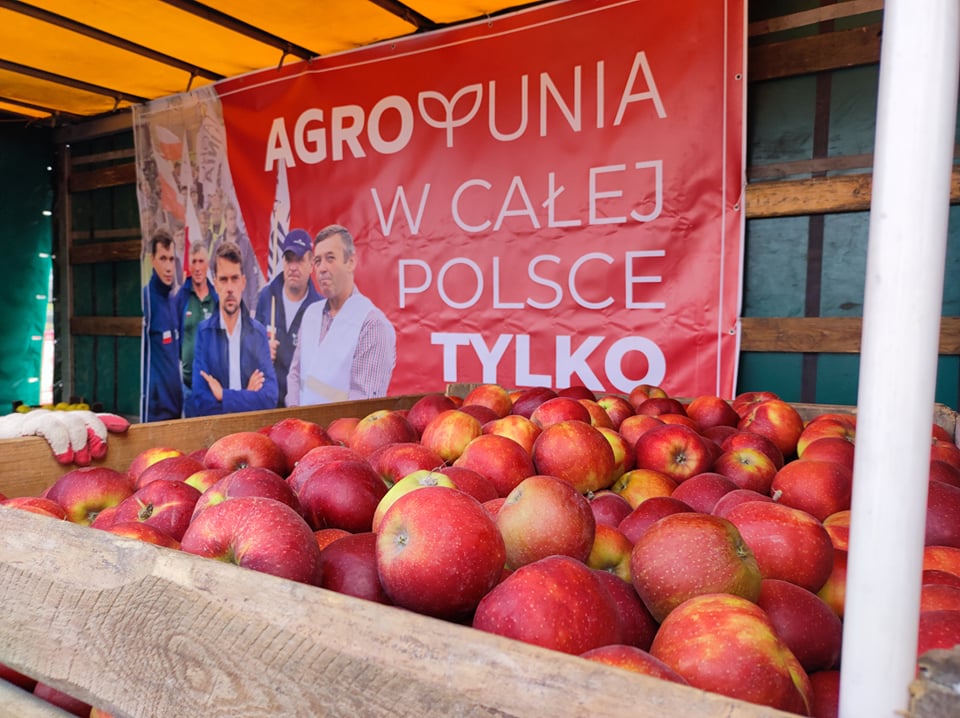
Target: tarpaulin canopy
69,60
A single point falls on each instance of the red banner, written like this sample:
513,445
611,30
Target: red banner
551,197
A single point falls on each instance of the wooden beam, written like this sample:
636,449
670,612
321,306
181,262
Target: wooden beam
104,177
812,17
829,51
106,326
105,252
840,335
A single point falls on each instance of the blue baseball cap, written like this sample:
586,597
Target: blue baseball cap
297,241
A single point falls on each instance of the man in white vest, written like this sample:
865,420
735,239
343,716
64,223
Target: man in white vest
347,347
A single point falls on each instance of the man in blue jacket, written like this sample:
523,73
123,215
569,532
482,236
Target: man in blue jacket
282,303
232,371
162,394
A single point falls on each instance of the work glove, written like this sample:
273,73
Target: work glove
75,436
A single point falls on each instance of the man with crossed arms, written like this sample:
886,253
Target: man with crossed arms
347,347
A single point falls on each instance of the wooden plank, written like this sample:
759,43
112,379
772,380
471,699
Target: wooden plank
93,234
829,51
823,334
140,630
812,17
780,170
106,326
97,252
27,465
111,156
104,177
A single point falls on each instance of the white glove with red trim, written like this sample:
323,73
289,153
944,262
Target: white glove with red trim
75,436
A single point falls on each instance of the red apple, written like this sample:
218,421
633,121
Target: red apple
838,526
86,491
820,488
576,452
165,505
526,400
246,448
257,533
941,450
250,481
939,597
827,426
609,507
747,467
492,396
340,430
174,468
205,478
709,410
701,492
516,427
942,558
143,532
744,402
349,566
788,543
316,458
426,408
938,629
556,602
641,392
633,659
809,627
37,505
501,460
734,498
394,461
411,482
471,482
673,449
830,448
342,494
578,392
544,516
636,624
611,552
943,515
438,552
617,408
932,575
635,425
483,414
740,439
826,694
379,428
834,591
726,644
150,456
719,434
327,536
659,405
778,421
560,408
624,456
689,554
649,512
944,472
295,437
598,415
449,432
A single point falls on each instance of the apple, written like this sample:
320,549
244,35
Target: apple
636,624
809,627
471,482
611,552
249,481
349,566
641,392
174,468
327,536
624,456
426,408
560,408
578,392
598,415
449,432
939,597
526,400
166,505
827,426
341,429
675,450
648,513
709,410
942,450
826,694
945,472
659,405
556,602
62,700
635,425
493,506
501,460
941,558
753,440
576,452
316,458
701,492
820,488
634,659
728,501
38,505
150,456
205,478
86,491
438,552
609,507
932,575
718,434
617,408
778,421
394,461
492,396
747,468
381,427
788,543
295,437
726,644
141,531
838,526
830,448
545,516
257,533
744,402
242,449
342,494
834,591
688,554
639,485
483,414
516,427
938,629
943,515
411,482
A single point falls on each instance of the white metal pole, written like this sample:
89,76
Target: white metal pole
916,120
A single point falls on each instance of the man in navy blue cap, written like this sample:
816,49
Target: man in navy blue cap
281,303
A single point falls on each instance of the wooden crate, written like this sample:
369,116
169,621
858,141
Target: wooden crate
141,630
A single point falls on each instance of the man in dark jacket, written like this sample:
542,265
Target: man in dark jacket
232,371
282,303
162,395
196,301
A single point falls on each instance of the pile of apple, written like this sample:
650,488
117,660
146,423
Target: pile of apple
700,541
